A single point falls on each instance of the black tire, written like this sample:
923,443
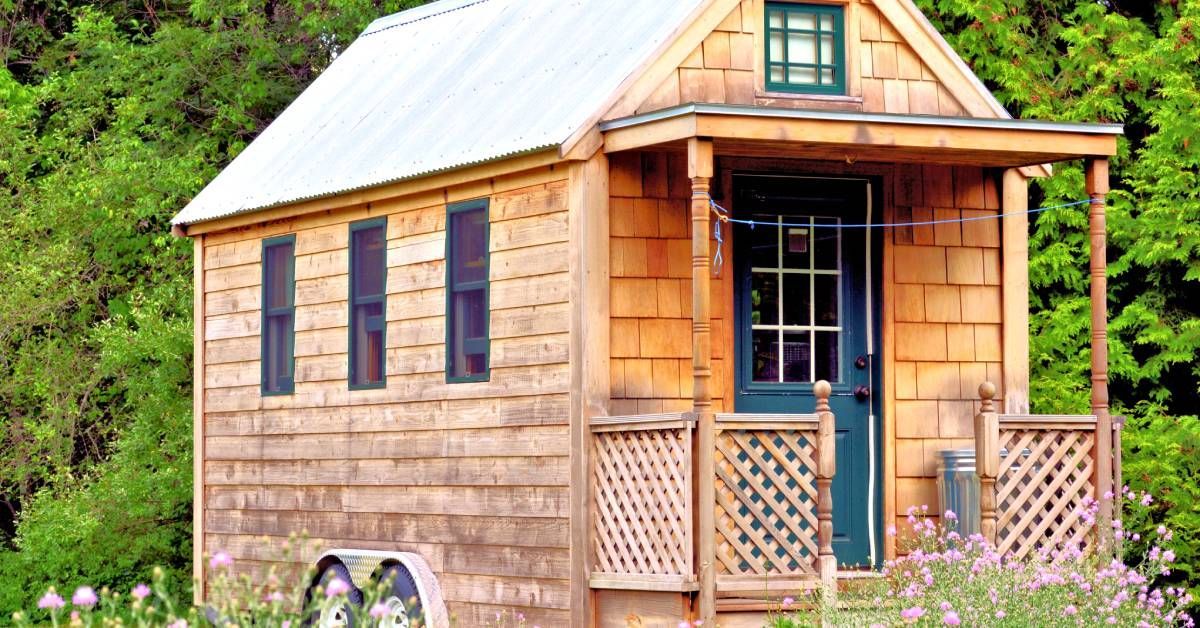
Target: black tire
404,588
354,597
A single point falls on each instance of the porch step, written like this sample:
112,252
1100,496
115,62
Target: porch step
847,580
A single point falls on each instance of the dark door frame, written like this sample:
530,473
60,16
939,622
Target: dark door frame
876,179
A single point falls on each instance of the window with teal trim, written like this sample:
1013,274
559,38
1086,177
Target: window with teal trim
368,303
278,315
805,48
467,291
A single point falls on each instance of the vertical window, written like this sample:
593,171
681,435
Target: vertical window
805,48
368,294
278,315
467,292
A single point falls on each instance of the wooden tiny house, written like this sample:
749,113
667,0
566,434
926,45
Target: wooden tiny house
466,298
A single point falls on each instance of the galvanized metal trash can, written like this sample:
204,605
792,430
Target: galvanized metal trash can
958,489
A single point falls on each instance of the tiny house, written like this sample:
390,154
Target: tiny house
589,309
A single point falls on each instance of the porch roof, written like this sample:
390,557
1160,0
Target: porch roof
878,137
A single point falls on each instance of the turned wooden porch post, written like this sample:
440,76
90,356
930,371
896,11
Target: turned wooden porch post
987,459
700,171
1096,179
826,468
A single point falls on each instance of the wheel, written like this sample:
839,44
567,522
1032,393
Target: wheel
403,602
334,612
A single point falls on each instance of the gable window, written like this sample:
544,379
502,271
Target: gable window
467,291
278,315
805,48
368,303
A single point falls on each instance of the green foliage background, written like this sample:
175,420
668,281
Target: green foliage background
113,114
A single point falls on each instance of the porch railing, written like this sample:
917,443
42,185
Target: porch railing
642,530
768,500
1037,477
772,505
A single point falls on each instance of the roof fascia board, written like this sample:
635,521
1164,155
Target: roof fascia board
408,187
653,70
856,129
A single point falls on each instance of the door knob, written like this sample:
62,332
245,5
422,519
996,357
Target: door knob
862,393
860,362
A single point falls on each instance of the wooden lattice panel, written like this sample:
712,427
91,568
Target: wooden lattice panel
641,481
766,510
1045,476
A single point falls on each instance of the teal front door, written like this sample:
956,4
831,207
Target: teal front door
803,296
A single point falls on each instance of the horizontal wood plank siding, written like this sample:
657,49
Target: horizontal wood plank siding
473,476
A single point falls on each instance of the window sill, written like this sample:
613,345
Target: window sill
839,98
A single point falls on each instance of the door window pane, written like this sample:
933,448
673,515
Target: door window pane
825,355
764,299
825,291
797,357
794,302
764,355
796,310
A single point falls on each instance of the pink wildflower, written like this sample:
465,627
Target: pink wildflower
274,597
945,606
51,600
84,596
1169,556
1110,620
788,601
950,515
911,615
379,610
220,559
178,623
336,587
1001,614
1070,610
140,592
951,618
891,530
685,624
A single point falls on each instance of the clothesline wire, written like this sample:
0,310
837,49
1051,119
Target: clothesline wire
723,216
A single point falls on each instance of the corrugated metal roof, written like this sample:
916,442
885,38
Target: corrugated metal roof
442,86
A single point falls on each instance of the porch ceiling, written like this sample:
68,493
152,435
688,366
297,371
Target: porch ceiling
836,135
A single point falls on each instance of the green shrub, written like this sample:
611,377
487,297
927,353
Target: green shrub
1162,459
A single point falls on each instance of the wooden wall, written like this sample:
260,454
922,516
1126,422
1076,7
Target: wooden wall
945,320
886,75
651,289
473,476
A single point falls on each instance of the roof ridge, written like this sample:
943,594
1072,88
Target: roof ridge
417,18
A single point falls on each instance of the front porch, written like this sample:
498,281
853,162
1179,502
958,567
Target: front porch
772,510
712,496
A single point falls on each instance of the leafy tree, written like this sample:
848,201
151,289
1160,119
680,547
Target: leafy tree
1133,62
113,115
